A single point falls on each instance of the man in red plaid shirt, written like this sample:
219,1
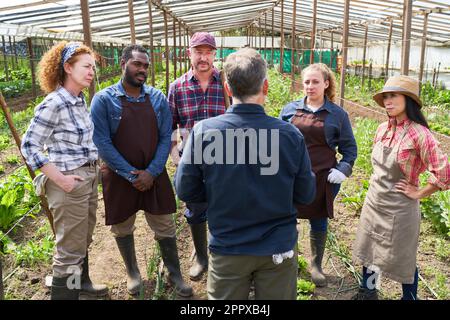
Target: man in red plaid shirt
195,96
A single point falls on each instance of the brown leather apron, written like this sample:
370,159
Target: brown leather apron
136,140
388,233
323,158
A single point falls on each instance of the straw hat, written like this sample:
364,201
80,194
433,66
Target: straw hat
400,84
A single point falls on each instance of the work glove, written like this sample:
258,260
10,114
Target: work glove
336,176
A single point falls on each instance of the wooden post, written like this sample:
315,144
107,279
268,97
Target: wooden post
321,48
406,44
131,16
187,61
180,50
424,45
15,51
273,31
5,59
16,137
225,95
344,51
388,52
313,33
265,36
166,34
437,76
152,49
364,55
174,55
32,69
13,62
259,35
294,6
282,37
87,37
331,50
370,76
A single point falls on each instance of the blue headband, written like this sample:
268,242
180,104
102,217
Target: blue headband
68,51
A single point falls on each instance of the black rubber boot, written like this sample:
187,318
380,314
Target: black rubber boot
366,294
169,255
126,248
89,288
199,237
318,241
60,291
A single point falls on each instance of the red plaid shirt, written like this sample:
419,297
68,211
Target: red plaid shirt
188,102
418,151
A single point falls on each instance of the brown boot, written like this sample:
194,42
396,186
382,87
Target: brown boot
318,241
89,288
126,248
169,255
199,237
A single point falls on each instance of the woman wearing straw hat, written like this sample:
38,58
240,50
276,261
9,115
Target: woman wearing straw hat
388,232
62,123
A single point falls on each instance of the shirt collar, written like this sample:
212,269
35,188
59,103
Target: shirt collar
246,108
120,91
301,104
191,76
70,97
393,122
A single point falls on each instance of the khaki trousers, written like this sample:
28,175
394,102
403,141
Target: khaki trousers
163,226
74,215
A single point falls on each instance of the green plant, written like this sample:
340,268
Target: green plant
442,249
305,289
13,159
302,263
17,197
4,142
356,200
31,253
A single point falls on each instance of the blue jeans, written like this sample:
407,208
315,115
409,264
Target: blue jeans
409,290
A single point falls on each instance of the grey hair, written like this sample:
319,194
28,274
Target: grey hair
245,71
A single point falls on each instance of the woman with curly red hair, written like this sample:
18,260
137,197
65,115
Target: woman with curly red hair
62,125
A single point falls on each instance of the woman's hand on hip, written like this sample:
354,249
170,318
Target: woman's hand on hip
408,189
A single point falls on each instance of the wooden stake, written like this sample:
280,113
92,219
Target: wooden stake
16,137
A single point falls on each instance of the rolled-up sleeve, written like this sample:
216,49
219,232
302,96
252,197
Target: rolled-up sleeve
437,162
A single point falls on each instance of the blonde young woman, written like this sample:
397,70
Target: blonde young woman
388,232
69,165
325,127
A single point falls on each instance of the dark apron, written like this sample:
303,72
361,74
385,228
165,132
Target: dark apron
136,140
323,158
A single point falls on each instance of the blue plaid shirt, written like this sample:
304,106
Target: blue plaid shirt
62,124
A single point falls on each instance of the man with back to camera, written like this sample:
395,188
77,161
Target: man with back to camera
250,195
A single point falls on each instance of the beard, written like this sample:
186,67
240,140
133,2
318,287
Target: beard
132,81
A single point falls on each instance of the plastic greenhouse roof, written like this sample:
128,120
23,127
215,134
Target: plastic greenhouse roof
110,22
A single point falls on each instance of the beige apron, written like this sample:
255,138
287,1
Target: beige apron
388,231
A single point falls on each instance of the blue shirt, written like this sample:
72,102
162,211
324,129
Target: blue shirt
338,130
249,213
106,112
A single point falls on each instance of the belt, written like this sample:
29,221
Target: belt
92,163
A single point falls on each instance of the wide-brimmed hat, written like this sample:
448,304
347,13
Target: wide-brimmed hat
400,84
